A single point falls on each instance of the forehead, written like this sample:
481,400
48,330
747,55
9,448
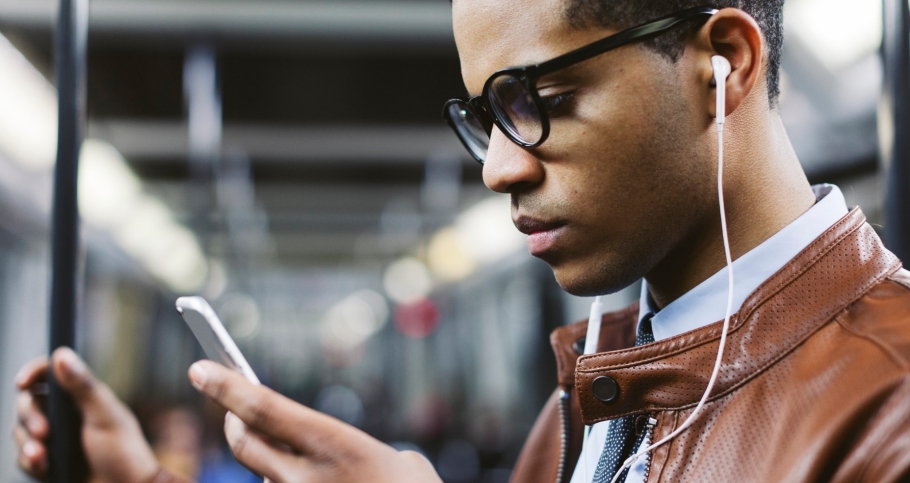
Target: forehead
495,34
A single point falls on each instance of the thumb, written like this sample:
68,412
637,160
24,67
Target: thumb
98,404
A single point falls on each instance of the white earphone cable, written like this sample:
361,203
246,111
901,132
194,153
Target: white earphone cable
592,337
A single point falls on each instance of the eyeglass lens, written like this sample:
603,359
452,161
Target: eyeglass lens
515,108
470,129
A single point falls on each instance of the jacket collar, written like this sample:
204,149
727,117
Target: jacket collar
831,273
617,331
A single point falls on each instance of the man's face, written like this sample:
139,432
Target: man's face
624,178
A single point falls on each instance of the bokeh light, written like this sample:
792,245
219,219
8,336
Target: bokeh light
407,280
353,320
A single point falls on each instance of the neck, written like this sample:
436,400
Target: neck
765,189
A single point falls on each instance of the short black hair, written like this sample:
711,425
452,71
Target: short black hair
769,14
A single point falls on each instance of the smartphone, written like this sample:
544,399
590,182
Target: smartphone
214,338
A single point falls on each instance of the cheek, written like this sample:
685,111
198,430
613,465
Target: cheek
606,155
613,124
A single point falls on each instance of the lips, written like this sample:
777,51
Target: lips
542,234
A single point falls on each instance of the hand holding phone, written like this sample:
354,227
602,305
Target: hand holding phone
214,338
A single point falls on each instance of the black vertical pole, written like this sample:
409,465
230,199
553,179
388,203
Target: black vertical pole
67,461
895,126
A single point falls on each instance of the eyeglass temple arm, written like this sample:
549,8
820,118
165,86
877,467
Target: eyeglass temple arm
618,40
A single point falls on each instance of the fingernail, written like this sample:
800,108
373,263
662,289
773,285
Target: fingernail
234,427
73,363
198,376
232,421
30,449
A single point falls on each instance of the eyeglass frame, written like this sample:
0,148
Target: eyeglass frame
530,74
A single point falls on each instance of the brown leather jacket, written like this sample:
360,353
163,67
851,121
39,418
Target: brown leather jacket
815,383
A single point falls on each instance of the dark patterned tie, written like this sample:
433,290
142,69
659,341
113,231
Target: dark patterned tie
622,440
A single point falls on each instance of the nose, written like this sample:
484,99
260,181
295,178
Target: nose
508,167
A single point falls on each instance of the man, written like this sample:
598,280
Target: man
611,164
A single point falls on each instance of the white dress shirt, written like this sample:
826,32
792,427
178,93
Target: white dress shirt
707,302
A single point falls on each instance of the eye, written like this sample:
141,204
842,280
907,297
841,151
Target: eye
558,105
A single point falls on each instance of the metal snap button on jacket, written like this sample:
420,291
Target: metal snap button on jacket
605,389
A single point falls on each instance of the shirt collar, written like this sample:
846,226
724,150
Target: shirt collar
707,302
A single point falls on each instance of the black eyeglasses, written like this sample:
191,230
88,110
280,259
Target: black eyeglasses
510,100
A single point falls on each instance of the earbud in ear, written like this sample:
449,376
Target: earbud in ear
721,71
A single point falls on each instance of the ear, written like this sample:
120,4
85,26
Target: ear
735,35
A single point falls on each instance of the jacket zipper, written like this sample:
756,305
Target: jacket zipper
649,437
564,437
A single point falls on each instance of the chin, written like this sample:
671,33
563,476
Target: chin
593,278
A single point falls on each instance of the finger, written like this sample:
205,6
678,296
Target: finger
20,436
32,456
257,453
416,459
266,411
100,407
32,372
30,415
72,374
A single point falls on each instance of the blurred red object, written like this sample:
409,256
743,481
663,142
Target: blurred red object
418,319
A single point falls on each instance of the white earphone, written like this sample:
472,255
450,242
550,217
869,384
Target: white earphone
722,70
